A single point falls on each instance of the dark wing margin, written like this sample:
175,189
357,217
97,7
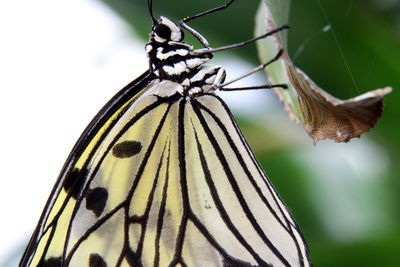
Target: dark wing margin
289,223
127,252
126,93
194,143
274,205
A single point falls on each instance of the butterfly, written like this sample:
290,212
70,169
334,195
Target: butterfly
163,176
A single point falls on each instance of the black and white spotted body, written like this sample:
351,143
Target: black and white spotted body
171,59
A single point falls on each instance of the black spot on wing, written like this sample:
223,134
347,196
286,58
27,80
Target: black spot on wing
74,182
96,200
51,262
95,260
126,149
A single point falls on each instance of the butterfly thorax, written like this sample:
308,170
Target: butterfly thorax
171,59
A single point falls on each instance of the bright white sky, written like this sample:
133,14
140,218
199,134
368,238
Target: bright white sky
60,62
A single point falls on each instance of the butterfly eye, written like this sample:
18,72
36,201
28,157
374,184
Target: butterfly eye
163,31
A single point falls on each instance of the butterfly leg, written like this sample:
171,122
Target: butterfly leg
260,67
222,87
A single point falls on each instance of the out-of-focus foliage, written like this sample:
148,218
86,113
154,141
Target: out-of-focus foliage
322,115
364,40
346,197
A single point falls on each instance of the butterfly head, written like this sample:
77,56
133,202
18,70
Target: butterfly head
165,30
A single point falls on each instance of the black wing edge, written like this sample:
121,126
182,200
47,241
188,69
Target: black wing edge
255,161
126,93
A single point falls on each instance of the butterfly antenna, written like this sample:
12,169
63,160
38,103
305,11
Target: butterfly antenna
192,31
150,7
240,44
216,9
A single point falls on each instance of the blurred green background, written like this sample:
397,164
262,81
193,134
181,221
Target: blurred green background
345,197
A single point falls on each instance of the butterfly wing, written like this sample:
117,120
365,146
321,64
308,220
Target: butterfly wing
250,222
157,180
68,185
